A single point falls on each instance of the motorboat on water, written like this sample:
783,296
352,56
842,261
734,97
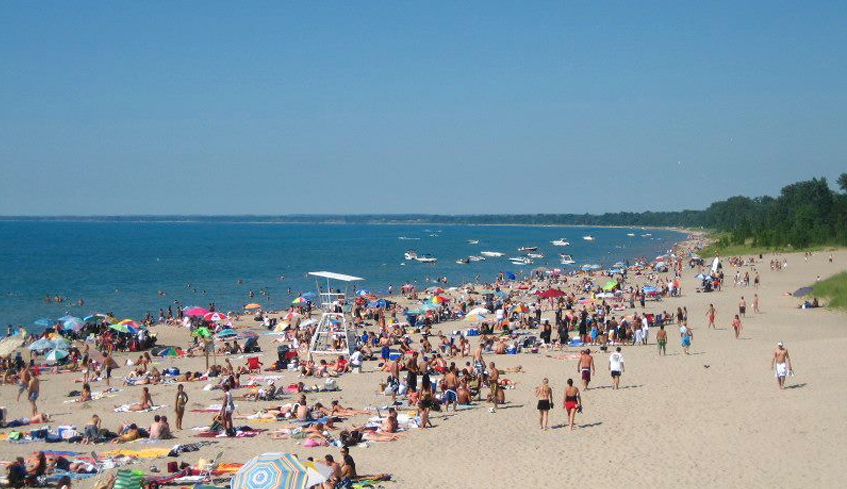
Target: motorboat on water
566,259
492,254
560,242
426,258
528,248
520,260
463,261
473,241
476,258
588,238
535,255
630,234
406,238
646,235
410,254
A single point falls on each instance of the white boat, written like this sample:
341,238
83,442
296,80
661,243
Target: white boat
560,242
406,238
493,254
527,248
520,260
588,238
476,258
410,254
535,255
463,261
566,259
630,234
646,235
426,259
473,241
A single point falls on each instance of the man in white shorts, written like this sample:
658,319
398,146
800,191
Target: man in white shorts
781,363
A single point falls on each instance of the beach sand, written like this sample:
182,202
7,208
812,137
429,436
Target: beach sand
714,418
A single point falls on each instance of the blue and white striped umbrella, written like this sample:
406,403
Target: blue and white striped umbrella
272,471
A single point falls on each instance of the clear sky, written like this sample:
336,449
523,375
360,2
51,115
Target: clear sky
435,107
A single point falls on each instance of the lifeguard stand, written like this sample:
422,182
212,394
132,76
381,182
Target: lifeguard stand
333,336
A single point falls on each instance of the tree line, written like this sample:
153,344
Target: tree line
806,213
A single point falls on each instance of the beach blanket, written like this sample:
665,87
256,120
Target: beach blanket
125,408
136,453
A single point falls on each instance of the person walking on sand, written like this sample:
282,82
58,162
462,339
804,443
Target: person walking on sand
711,313
756,303
493,386
781,363
572,402
616,367
544,393
662,340
585,367
742,307
685,334
32,391
25,376
736,325
179,405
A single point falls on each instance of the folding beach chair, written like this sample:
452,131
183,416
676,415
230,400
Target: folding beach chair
253,364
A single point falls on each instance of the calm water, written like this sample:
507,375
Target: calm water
120,267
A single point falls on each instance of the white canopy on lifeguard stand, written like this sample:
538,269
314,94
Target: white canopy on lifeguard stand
332,335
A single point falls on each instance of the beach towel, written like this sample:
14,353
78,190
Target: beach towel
125,409
129,479
137,453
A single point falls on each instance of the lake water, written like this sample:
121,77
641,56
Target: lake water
121,266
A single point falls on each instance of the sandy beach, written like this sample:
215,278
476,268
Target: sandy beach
715,418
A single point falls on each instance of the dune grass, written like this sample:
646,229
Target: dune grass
833,290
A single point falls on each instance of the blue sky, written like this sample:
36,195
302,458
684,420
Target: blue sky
435,107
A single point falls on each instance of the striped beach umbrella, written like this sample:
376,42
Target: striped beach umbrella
272,471
300,301
169,352
215,317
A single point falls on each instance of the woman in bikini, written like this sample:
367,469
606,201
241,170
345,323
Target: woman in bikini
736,325
573,402
146,401
544,393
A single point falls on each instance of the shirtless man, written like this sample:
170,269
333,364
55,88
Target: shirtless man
662,340
479,362
781,362
25,375
711,313
493,385
33,388
742,307
585,367
451,389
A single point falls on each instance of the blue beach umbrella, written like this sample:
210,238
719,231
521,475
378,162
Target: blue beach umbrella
227,333
41,344
61,343
272,471
510,275
309,295
74,324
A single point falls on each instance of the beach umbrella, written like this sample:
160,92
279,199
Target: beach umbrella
479,311
439,299
474,317
61,343
520,308
551,293
215,317
10,344
56,355
202,332
300,301
510,275
169,352
44,323
273,471
227,333
309,295
318,473
610,285
308,322
123,328
195,311
41,344
252,305
378,304
435,290
363,292
802,291
74,324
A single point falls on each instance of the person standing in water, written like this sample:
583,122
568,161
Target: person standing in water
544,393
